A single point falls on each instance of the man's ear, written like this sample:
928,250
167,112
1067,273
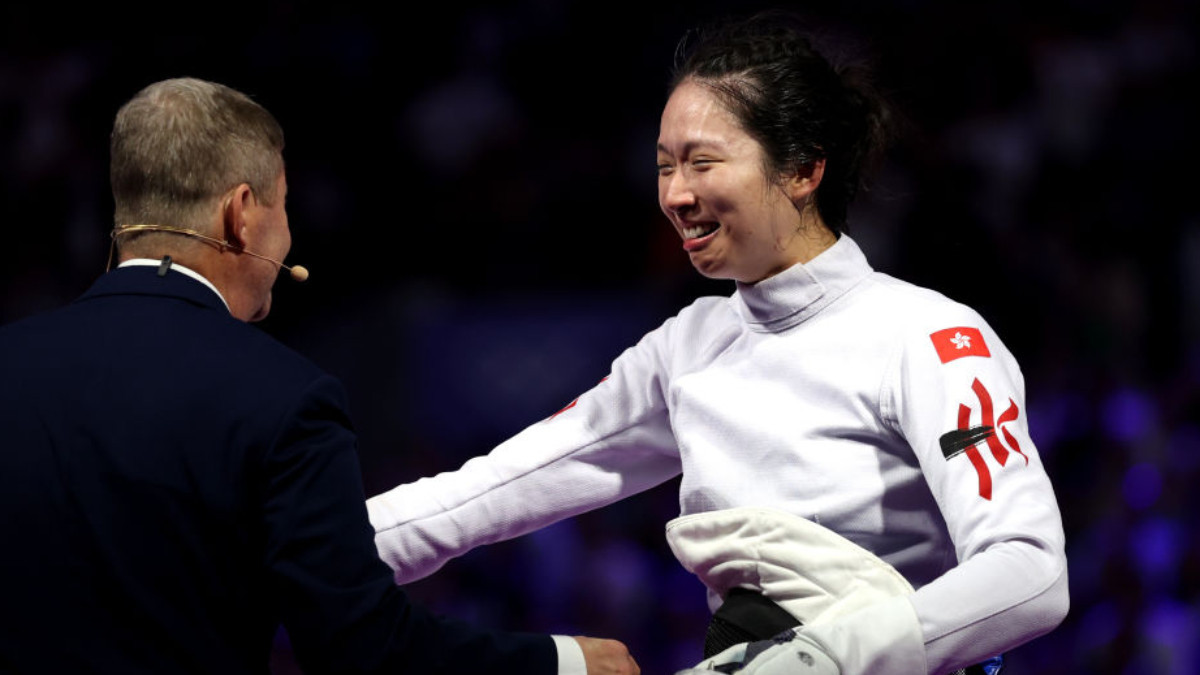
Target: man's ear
234,209
805,181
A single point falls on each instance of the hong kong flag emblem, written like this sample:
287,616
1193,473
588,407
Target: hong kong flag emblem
955,343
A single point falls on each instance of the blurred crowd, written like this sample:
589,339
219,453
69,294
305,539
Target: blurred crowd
472,186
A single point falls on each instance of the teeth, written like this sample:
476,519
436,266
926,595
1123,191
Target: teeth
698,231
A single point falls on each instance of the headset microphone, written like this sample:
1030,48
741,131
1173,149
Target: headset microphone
298,272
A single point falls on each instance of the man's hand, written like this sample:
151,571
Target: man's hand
607,657
789,653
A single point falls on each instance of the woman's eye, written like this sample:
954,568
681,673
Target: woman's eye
702,163
664,169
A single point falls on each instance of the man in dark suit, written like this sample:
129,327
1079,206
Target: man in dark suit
175,483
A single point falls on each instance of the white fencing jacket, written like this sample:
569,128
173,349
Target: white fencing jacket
830,393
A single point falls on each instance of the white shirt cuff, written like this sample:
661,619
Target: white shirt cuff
570,656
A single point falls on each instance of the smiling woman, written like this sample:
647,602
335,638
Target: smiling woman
852,464
736,221
746,142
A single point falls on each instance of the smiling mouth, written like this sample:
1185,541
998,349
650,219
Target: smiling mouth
701,230
697,237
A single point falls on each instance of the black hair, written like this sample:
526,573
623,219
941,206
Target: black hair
792,100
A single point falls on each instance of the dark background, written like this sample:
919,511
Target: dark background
472,186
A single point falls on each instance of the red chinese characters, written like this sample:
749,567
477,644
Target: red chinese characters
999,451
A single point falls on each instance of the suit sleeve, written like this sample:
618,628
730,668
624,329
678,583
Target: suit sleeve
613,441
338,601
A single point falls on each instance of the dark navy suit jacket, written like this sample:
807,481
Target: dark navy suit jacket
174,484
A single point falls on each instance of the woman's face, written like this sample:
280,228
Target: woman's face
736,222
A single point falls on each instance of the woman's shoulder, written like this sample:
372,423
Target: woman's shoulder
908,298
704,324
706,310
909,309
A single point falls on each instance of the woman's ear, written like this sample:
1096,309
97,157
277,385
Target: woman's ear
805,181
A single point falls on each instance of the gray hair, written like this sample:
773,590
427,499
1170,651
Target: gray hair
180,144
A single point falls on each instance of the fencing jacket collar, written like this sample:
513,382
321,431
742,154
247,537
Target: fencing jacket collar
797,293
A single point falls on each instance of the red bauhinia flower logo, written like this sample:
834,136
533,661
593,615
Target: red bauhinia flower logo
955,343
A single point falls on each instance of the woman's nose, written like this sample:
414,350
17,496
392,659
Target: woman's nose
677,193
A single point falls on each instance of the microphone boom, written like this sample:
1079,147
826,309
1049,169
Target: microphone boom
297,272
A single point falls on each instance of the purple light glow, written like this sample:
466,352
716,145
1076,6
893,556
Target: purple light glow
1142,486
